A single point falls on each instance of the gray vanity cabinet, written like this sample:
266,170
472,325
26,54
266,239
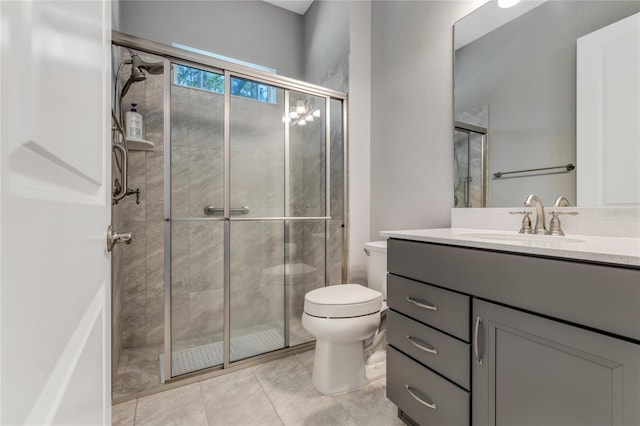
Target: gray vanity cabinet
535,371
521,340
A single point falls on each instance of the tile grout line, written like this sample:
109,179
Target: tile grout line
206,414
124,373
344,409
135,412
267,395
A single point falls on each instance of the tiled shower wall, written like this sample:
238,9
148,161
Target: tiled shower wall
143,259
138,268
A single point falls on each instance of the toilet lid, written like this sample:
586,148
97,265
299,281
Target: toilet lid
342,301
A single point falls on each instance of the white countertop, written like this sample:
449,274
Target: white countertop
614,250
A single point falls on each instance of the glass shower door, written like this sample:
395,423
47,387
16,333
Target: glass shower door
255,172
196,222
307,207
257,229
278,160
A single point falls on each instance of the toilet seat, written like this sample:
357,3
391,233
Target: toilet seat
342,301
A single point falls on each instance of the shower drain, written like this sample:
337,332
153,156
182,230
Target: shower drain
205,356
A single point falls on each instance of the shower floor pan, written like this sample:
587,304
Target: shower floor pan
205,356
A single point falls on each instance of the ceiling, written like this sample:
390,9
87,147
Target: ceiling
298,6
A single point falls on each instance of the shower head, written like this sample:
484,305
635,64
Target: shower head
137,68
137,74
150,67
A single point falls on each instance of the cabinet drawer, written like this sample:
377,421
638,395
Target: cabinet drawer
444,354
535,284
409,383
442,309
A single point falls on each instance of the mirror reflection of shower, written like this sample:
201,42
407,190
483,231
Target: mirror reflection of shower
470,163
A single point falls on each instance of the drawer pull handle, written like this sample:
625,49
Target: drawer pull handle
431,405
476,331
422,345
422,304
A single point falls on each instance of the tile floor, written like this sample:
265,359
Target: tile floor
276,393
139,367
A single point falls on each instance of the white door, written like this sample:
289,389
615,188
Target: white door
55,208
608,115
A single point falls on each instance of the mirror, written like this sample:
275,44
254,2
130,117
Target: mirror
515,101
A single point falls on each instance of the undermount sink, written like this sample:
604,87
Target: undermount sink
525,238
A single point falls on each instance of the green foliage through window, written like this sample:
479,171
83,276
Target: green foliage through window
213,82
199,79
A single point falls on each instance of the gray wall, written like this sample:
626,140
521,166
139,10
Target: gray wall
359,137
412,113
252,31
525,71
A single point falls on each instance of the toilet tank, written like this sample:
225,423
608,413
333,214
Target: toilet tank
377,266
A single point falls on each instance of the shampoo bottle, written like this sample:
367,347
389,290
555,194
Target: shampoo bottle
134,123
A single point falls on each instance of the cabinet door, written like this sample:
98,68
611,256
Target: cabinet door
528,370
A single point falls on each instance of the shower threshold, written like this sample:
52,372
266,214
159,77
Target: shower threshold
200,357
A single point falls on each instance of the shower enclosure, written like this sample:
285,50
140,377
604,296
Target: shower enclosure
470,161
253,170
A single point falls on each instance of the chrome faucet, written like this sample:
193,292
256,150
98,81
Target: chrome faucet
540,227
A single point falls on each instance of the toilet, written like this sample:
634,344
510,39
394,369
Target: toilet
341,317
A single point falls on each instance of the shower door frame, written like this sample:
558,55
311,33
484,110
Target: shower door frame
173,55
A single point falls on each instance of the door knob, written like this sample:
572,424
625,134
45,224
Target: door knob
114,238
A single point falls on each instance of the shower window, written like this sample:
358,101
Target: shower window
198,79
213,82
253,90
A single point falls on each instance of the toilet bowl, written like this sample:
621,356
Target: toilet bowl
341,317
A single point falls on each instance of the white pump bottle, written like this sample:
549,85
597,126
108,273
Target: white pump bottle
134,123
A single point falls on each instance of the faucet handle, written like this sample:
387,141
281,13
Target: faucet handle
554,225
526,222
562,201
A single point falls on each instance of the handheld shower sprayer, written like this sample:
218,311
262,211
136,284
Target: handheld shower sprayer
138,66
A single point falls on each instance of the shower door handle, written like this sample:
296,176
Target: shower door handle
211,210
467,181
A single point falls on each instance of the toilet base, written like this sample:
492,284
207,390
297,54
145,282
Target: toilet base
349,374
339,361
